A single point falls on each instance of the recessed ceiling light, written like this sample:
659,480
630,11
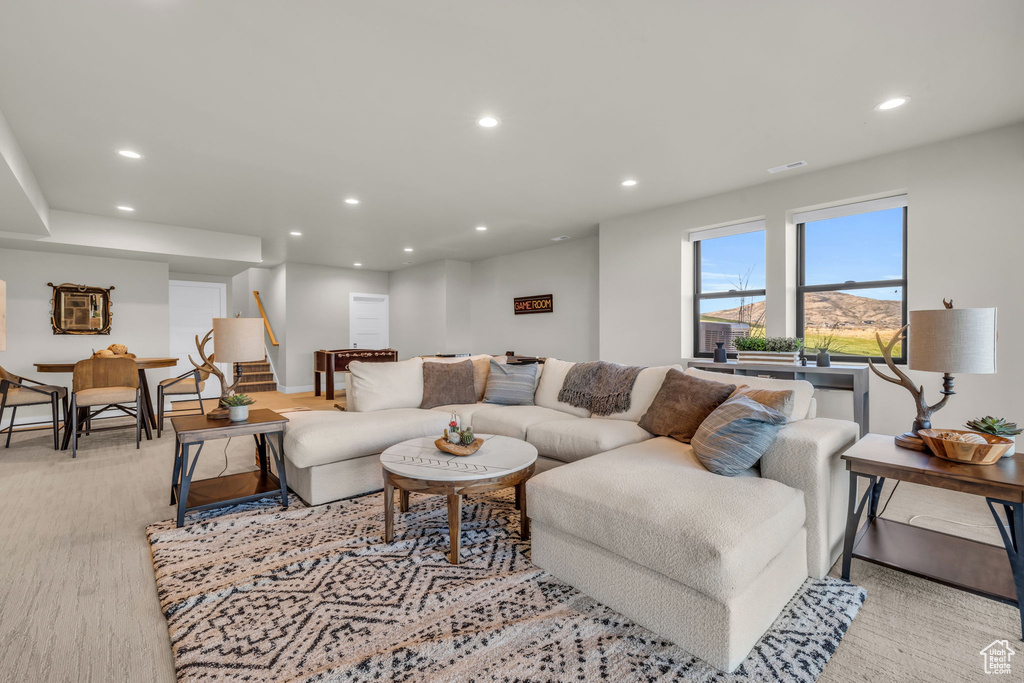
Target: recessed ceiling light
351,200
559,238
357,265
408,248
488,121
628,182
126,208
129,153
481,228
892,103
295,233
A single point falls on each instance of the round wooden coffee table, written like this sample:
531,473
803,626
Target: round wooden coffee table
417,466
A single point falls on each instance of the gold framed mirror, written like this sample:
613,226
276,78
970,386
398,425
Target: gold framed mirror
77,309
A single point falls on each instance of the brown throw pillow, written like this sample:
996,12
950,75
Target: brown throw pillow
682,403
779,401
447,384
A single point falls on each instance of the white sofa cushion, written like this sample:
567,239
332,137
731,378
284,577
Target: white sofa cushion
324,436
646,387
465,411
550,384
802,389
379,386
654,503
573,439
513,421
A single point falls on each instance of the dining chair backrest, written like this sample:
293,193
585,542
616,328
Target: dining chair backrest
10,377
95,373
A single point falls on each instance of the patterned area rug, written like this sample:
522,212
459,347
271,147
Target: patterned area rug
313,594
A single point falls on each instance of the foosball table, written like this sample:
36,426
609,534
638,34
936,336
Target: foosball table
330,362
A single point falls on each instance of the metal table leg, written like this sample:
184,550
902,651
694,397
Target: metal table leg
1011,528
176,473
854,511
186,480
278,453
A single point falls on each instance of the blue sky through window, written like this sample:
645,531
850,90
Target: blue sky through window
726,261
863,247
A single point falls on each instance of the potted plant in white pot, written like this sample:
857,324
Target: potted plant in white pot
996,426
768,350
238,407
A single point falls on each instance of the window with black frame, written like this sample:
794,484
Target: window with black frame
729,285
852,277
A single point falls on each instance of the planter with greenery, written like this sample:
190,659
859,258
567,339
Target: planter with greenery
769,350
238,406
996,426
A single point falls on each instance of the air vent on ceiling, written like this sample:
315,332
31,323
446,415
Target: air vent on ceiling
559,238
795,164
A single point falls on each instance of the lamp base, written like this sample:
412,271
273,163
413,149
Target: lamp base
911,441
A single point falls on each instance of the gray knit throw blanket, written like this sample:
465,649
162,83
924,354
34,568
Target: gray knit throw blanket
600,387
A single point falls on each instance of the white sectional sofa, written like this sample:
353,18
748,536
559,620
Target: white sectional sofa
630,519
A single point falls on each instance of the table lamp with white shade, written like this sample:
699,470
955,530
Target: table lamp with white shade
235,340
948,340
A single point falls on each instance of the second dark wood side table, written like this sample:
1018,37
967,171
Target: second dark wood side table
264,425
954,561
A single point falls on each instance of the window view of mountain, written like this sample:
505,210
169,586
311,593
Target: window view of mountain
852,319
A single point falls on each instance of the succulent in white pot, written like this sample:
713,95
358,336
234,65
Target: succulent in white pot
996,426
238,407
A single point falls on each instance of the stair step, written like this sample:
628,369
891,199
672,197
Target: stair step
256,387
258,377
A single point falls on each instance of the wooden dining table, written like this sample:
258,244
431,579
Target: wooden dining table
144,364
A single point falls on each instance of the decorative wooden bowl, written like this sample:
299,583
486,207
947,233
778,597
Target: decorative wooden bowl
447,447
987,453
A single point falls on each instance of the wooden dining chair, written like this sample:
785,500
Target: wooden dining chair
185,384
18,391
101,384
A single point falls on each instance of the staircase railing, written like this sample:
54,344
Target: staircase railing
266,323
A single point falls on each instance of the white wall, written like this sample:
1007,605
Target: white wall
569,271
139,306
316,302
964,243
431,309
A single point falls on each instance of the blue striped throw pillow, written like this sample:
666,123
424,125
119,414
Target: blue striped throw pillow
736,434
511,385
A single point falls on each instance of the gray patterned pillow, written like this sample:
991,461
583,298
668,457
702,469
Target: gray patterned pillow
736,434
511,385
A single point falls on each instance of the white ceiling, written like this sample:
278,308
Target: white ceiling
261,116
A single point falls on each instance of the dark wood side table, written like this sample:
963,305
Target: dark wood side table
971,566
189,430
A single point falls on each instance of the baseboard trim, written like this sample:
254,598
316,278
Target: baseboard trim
294,390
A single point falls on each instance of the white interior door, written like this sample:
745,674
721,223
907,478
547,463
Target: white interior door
193,306
368,321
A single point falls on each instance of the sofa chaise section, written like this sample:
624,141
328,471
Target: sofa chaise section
703,560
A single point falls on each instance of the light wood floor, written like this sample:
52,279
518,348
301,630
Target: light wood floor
78,601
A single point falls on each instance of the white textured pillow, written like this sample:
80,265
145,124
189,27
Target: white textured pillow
646,387
803,390
551,380
379,386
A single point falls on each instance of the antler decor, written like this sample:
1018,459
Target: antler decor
924,411
208,366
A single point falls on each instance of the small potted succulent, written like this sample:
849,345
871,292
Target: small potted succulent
996,426
238,407
768,350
